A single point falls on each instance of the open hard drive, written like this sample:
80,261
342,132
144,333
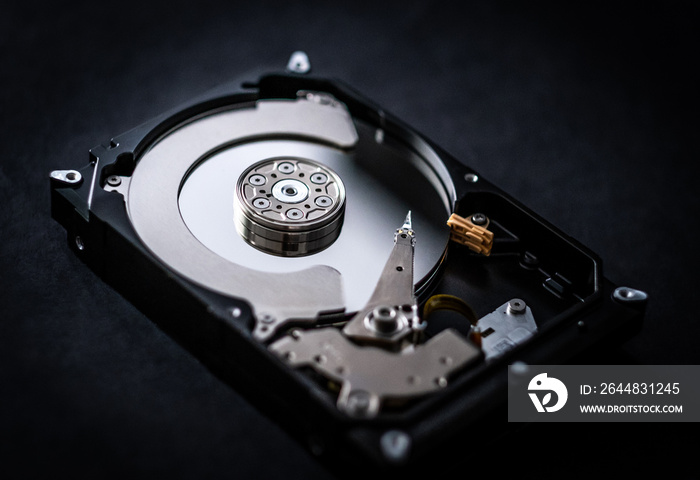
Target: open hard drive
359,284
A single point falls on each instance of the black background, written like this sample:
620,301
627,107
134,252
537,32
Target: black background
585,113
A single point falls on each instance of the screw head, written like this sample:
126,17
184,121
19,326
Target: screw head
257,180
295,214
529,260
299,62
384,319
479,219
323,201
395,445
471,177
261,203
358,402
114,181
319,178
516,306
285,167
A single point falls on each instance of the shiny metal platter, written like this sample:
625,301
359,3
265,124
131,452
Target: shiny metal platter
182,203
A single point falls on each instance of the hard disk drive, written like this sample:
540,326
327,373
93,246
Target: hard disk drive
360,285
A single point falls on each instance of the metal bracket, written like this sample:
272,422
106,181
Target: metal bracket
370,375
507,326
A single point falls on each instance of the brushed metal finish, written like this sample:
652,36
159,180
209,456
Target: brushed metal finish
153,208
181,204
374,373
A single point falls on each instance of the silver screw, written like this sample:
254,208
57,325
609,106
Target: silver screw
261,203
114,180
384,319
285,167
516,306
323,201
236,312
471,177
319,178
294,214
257,180
358,402
79,243
299,62
395,445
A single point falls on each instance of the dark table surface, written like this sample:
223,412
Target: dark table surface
585,113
